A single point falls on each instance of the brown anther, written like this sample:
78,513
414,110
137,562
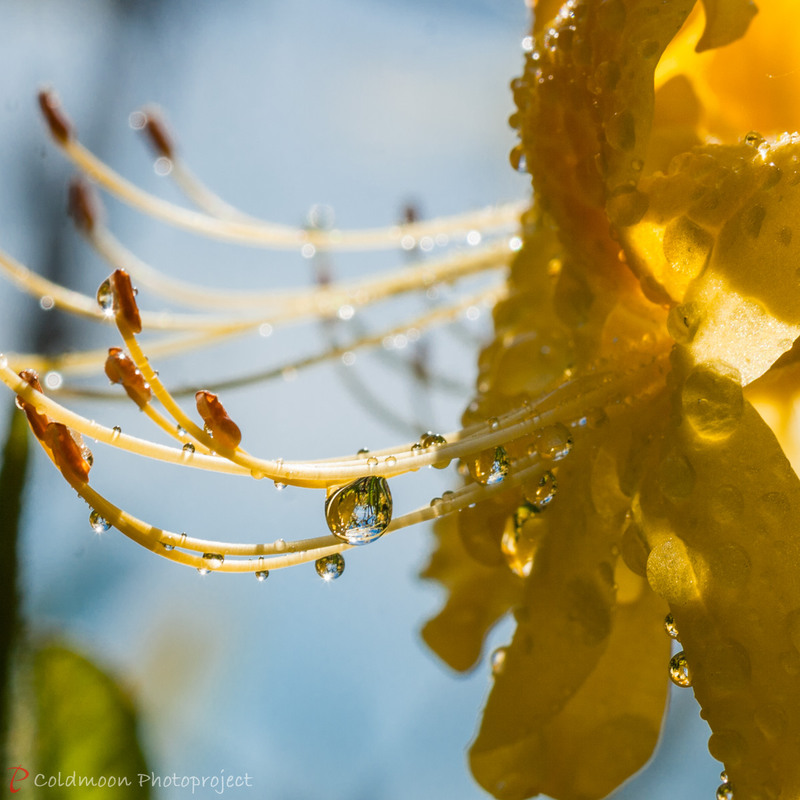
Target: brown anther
121,369
37,421
82,205
125,306
224,430
67,453
160,139
60,127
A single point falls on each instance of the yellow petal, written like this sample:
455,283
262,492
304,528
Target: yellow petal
725,554
478,593
726,21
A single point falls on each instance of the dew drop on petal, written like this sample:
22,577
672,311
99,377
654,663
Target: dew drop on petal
679,672
498,660
262,575
670,627
188,448
329,568
712,400
725,792
490,466
554,442
98,523
361,511
520,540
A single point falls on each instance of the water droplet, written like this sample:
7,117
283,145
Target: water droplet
498,660
543,492
518,160
490,467
372,461
279,545
87,455
391,461
363,451
168,546
188,448
361,511
679,672
723,776
98,523
329,568
116,431
105,297
554,442
262,575
493,423
430,439
725,792
279,486
213,560
712,400
521,538
754,139
670,627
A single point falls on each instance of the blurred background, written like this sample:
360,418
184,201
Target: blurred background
366,106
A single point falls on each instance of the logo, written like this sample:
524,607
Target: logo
17,777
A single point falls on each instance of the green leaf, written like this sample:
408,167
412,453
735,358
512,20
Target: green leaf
86,727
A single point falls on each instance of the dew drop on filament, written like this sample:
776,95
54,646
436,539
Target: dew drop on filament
329,568
361,511
98,523
490,467
262,575
554,442
105,297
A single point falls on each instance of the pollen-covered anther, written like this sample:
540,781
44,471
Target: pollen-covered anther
57,121
37,421
160,138
224,430
67,453
120,368
125,300
82,205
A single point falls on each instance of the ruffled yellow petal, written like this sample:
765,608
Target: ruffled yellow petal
479,593
720,237
603,734
720,514
584,674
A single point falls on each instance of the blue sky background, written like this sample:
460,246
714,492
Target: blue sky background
317,691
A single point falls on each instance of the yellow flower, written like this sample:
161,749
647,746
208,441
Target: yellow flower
614,470
659,273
